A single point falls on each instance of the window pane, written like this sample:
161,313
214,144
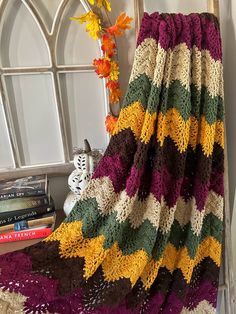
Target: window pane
47,10
35,118
74,44
86,111
21,42
6,160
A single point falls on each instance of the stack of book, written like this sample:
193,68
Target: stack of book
26,209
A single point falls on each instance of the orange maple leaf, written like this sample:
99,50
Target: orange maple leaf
115,91
110,123
115,96
103,67
112,85
122,23
108,45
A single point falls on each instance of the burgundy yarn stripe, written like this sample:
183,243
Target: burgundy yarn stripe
170,30
167,156
160,183
206,288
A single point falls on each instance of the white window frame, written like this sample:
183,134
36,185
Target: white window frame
51,38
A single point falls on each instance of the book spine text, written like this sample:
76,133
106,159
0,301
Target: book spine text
24,214
25,235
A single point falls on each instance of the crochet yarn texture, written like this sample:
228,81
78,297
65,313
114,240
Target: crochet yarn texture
146,235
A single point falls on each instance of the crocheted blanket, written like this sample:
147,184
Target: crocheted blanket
146,235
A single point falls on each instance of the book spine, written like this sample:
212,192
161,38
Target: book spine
28,224
9,196
23,203
24,214
25,235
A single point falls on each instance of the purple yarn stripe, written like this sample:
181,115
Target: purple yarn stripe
170,30
46,291
204,292
162,182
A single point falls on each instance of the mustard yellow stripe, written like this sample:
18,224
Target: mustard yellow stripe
183,133
191,132
72,244
115,265
140,122
179,259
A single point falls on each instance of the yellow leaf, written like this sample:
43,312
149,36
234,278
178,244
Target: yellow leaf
93,26
107,5
114,74
91,2
102,3
99,3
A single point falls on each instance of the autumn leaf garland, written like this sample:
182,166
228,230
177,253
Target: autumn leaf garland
106,67
122,23
101,3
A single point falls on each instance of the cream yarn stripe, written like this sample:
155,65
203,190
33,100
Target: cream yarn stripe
11,303
203,307
188,66
158,213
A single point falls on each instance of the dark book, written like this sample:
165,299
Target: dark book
24,187
23,203
12,217
43,221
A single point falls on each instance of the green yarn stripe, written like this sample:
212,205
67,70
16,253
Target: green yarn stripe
145,237
194,102
179,237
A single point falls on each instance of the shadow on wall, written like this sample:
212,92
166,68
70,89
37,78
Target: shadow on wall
59,189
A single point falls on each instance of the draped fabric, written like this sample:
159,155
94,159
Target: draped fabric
146,235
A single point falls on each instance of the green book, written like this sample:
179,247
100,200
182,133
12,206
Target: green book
23,203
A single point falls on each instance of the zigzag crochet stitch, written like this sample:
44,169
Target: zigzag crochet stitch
146,235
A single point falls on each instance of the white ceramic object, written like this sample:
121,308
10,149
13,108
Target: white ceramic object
84,162
70,202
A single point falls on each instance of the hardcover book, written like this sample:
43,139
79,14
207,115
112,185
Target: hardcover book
23,203
28,186
43,221
24,214
25,235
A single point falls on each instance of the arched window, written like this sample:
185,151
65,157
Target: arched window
50,98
